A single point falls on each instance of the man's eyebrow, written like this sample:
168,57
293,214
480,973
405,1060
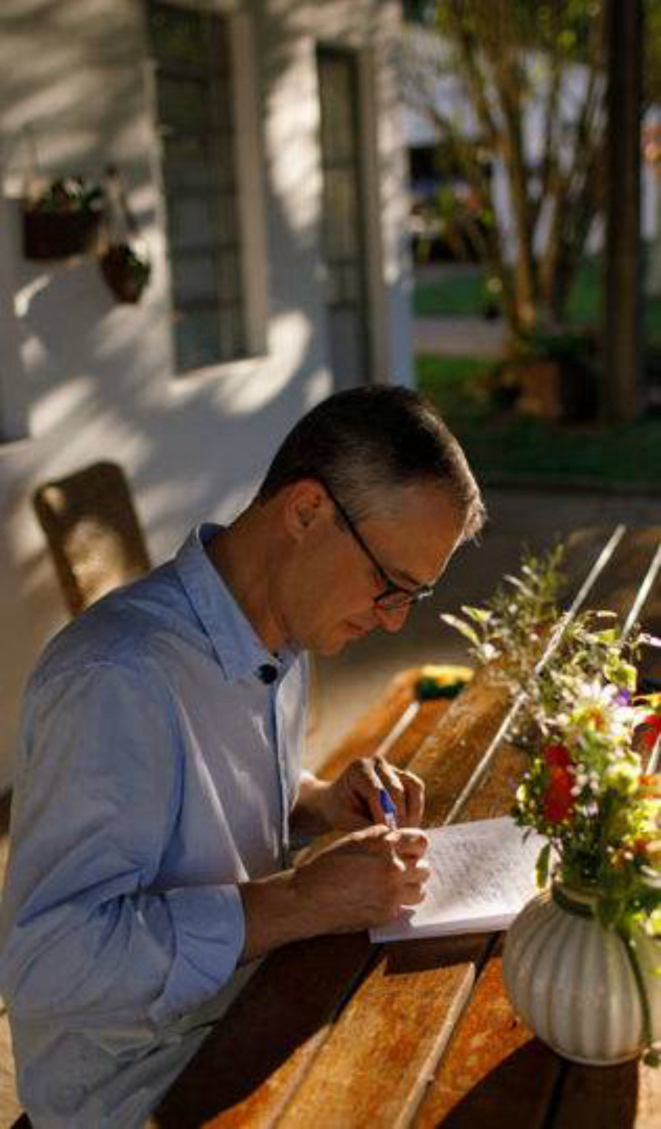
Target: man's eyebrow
398,574
401,574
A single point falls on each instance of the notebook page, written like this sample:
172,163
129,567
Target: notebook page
482,874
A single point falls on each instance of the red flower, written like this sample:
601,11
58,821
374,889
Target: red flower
558,801
651,730
558,755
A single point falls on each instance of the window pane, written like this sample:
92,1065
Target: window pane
192,221
194,100
197,338
223,161
347,346
182,103
176,33
230,281
232,340
337,124
341,235
195,276
188,161
228,222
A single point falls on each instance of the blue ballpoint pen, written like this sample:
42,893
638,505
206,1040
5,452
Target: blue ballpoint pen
389,809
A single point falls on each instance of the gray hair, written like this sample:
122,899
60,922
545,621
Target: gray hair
367,444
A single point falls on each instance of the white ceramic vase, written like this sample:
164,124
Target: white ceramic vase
574,984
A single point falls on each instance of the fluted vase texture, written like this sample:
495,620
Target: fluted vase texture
575,984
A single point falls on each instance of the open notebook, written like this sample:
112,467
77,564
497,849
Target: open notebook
482,875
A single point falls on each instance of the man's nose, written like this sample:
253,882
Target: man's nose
392,619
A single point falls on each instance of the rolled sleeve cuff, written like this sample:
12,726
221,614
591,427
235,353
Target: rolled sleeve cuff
209,930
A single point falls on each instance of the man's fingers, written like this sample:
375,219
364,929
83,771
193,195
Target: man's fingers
415,798
406,791
410,842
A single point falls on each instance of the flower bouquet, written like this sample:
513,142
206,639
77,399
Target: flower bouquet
590,791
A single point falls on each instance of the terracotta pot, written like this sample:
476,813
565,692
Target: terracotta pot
124,274
574,983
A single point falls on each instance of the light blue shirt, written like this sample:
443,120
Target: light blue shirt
157,771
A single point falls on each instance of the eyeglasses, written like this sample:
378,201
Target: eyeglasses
393,597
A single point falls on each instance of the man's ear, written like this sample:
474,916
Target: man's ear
305,504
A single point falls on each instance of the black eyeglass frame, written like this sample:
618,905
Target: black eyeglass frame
394,597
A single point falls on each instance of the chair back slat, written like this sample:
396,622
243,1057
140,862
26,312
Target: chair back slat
93,532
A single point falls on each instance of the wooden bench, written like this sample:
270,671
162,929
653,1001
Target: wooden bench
335,1032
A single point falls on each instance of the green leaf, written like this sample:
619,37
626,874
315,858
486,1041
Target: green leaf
480,615
542,866
463,628
519,584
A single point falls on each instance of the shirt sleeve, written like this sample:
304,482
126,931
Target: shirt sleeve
95,803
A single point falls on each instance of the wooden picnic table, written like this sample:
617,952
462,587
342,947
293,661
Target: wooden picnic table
337,1033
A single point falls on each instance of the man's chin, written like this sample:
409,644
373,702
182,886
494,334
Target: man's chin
330,647
336,643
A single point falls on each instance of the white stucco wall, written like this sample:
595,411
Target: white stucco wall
94,379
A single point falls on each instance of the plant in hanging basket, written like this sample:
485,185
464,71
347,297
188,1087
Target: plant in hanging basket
63,220
125,271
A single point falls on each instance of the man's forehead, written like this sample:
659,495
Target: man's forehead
416,539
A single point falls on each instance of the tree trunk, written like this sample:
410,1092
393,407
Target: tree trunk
622,333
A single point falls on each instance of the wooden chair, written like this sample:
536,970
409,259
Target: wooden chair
93,532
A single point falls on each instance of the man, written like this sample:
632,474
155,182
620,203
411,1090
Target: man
159,787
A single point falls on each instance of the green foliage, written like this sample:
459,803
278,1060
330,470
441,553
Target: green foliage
561,27
504,57
71,194
508,447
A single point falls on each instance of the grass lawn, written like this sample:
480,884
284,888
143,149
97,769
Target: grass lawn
515,447
467,295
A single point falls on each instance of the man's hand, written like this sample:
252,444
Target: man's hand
352,801
365,878
361,880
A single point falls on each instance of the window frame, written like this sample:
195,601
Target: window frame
249,182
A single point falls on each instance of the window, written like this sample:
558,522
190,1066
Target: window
343,218
194,88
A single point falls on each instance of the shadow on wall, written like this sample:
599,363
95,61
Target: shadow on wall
99,381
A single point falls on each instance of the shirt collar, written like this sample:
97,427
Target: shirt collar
238,648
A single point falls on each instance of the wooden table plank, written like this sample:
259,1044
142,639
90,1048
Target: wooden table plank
378,722
495,1072
375,1062
258,1053
448,756
374,1067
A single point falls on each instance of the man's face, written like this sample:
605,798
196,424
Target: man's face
337,577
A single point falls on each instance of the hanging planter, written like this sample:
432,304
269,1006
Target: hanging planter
125,268
62,221
125,272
